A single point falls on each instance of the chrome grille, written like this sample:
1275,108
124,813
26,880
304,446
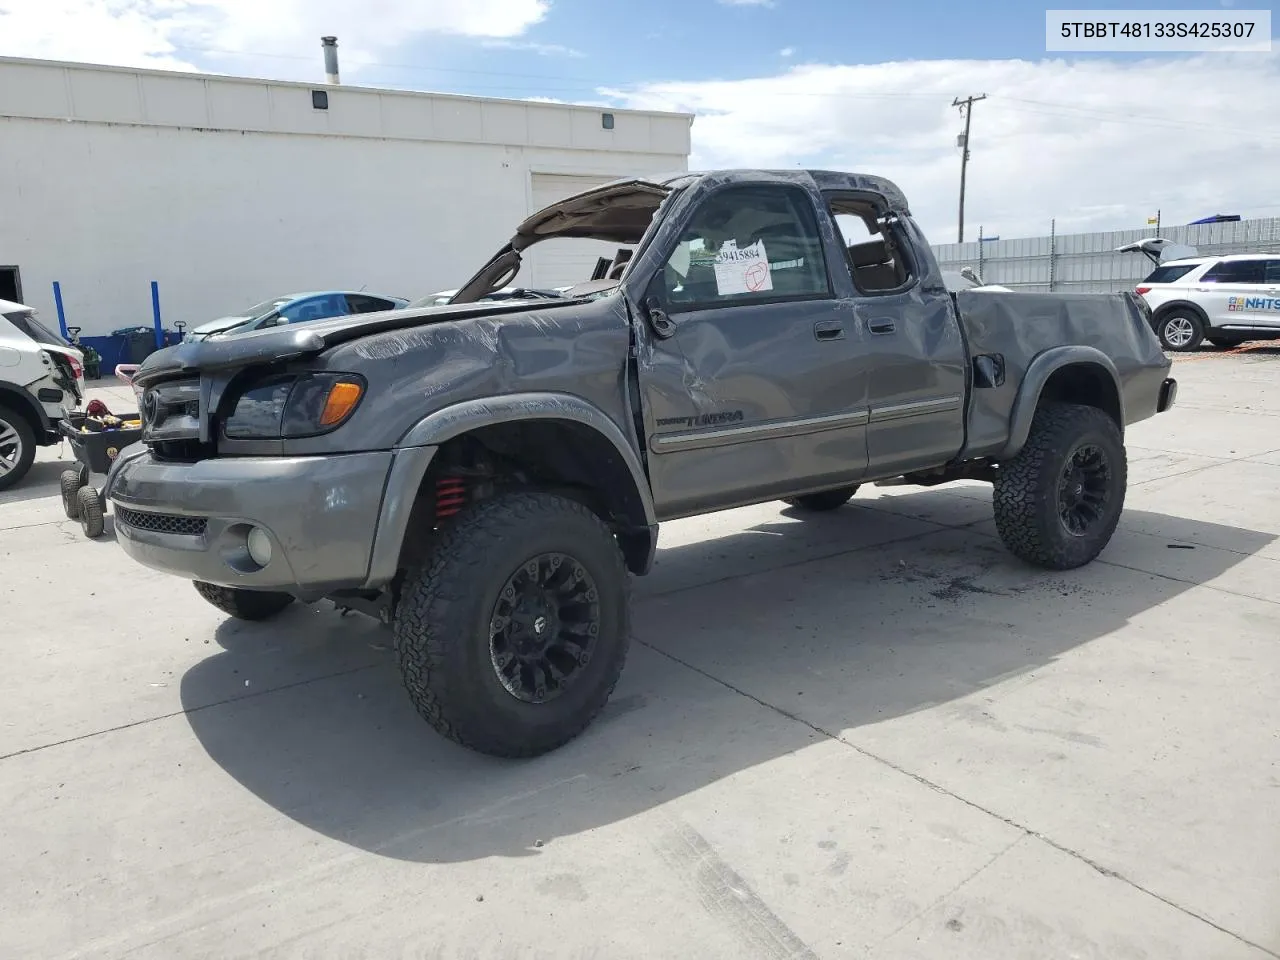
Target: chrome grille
161,522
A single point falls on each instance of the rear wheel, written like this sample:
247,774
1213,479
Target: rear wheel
70,484
513,634
1058,501
17,447
243,604
91,512
824,500
1180,330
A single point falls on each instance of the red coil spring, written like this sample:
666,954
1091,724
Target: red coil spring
451,496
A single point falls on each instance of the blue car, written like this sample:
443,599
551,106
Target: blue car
296,308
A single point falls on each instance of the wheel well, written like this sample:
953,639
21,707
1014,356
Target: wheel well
20,404
1089,384
559,456
1165,309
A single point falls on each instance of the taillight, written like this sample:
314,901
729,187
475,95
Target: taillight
76,369
1140,291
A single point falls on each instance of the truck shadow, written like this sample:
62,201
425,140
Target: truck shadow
747,647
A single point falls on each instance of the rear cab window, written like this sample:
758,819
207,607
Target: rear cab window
875,250
1170,273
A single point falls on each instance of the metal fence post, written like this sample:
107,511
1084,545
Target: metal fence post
155,311
1053,252
62,315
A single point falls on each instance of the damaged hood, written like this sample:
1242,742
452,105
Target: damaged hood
276,344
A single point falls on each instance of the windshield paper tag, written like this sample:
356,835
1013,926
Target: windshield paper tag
742,271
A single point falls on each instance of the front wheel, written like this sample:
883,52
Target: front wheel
243,604
1180,331
823,500
512,636
1058,501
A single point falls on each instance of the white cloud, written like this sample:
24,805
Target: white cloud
1097,144
174,33
787,52
542,49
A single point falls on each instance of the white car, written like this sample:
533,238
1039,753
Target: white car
41,382
1225,300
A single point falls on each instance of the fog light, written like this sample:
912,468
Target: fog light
259,545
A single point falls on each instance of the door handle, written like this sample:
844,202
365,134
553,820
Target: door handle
881,325
828,330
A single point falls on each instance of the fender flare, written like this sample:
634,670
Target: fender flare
415,450
1042,367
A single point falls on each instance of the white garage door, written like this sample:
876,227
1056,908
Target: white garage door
558,263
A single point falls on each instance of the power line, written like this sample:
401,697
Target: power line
966,107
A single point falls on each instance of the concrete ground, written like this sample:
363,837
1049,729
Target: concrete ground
868,734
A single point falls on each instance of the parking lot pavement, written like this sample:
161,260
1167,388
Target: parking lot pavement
871,733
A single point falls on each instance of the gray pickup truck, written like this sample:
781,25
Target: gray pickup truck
483,475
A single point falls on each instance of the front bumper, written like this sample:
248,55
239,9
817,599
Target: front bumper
320,514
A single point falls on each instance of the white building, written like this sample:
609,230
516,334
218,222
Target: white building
227,191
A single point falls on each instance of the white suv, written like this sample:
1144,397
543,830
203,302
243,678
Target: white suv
41,381
1225,300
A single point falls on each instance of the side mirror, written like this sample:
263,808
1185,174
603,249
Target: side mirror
658,319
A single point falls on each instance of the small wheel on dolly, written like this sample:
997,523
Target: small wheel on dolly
71,484
92,512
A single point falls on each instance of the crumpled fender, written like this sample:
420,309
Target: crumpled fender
1041,368
414,452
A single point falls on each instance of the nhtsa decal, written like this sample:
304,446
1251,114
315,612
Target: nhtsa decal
704,420
1236,304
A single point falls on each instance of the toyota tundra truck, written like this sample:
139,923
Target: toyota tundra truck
485,475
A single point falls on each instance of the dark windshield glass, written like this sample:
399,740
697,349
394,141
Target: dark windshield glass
37,331
1170,273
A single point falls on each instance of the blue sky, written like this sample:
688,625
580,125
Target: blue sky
1094,141
581,45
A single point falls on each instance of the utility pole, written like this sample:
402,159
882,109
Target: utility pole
966,107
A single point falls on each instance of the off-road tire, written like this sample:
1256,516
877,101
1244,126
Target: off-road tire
244,604
442,624
1026,491
70,484
26,446
90,512
1182,318
824,500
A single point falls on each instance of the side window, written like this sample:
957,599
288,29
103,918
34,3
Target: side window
1273,271
1235,271
363,303
873,248
314,308
746,245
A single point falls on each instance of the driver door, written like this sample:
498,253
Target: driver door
760,389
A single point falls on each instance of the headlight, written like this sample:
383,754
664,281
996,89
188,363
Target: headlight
294,406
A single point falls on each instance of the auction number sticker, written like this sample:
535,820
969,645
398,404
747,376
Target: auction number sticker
742,271
1174,31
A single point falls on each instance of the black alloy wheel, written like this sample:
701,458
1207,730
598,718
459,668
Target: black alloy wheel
1084,489
544,627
